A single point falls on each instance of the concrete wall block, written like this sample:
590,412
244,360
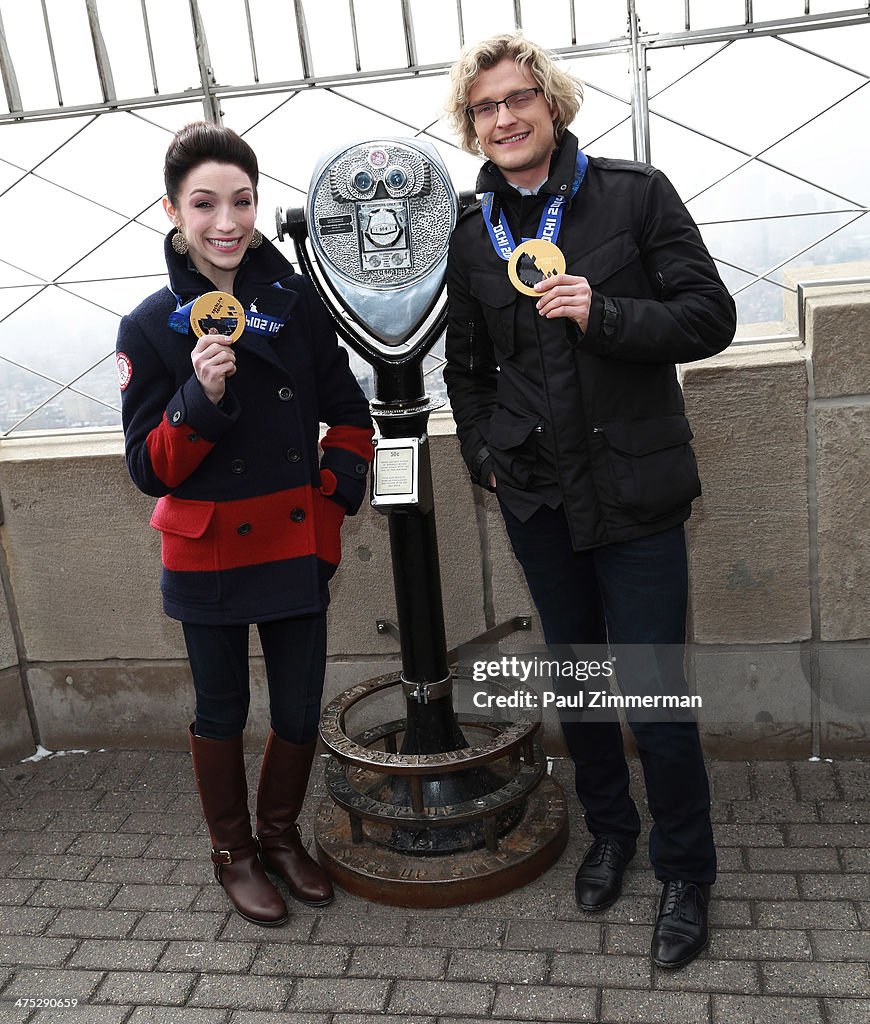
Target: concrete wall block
145,704
510,595
843,487
362,589
459,550
838,333
844,700
8,651
84,564
78,525
16,736
127,705
757,740
757,700
748,535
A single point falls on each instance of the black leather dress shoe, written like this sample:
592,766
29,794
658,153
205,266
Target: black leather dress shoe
599,878
681,927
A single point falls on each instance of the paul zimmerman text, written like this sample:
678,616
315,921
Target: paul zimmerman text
584,699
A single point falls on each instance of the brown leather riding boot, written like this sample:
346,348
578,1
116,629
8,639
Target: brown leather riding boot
219,769
283,781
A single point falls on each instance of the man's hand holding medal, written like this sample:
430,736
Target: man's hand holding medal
537,267
565,295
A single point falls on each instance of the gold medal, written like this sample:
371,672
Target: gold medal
533,261
217,313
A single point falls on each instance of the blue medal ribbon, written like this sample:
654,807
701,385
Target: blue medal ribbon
551,219
180,320
259,323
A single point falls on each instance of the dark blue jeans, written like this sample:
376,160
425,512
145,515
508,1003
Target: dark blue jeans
634,592
295,654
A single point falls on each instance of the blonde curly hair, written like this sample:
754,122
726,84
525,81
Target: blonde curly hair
561,89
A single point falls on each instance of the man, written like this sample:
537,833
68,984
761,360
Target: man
561,373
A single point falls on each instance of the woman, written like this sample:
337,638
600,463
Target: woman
225,433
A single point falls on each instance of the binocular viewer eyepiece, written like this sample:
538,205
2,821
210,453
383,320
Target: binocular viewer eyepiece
377,222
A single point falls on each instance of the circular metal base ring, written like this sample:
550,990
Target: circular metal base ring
351,751
382,875
396,410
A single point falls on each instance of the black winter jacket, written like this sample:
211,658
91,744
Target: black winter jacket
249,514
610,403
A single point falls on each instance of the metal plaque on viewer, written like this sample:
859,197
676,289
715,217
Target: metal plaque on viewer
395,472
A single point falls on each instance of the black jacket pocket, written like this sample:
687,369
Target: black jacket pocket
513,444
497,298
653,471
606,259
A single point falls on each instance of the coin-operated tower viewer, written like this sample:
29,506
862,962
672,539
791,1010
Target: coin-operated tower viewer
461,811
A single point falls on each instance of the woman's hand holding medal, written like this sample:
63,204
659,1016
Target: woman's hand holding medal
218,319
565,295
213,361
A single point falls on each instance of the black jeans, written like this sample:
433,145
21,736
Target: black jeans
295,654
630,593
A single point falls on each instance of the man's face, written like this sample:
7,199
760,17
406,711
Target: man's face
519,143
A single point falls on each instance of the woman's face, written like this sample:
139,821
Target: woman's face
216,211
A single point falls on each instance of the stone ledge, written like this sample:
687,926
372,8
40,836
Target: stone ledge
838,336
64,445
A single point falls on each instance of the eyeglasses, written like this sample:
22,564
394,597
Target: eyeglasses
478,113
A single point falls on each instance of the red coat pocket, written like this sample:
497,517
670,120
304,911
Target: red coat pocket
187,543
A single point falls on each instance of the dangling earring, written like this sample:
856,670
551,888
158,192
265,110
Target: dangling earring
179,243
256,239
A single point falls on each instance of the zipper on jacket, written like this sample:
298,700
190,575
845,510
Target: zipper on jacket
471,346
663,288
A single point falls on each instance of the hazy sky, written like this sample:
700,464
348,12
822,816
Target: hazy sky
80,196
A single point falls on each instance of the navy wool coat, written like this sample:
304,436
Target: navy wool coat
249,510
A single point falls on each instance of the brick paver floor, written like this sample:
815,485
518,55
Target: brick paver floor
106,897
